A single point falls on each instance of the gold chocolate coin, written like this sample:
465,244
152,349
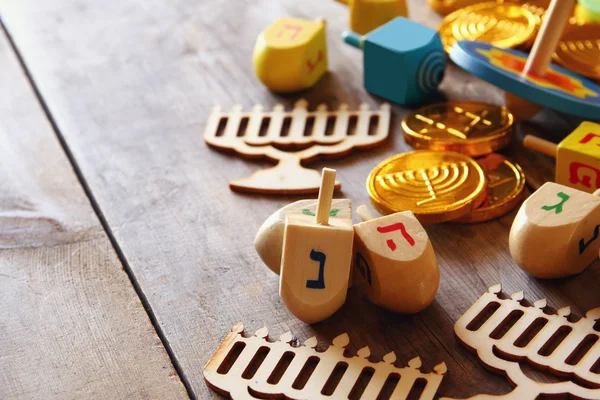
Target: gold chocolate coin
506,182
435,186
469,127
446,7
505,25
579,50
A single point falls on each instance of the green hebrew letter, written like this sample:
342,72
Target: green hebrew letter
559,206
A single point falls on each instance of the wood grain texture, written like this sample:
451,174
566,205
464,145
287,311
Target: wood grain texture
131,84
71,324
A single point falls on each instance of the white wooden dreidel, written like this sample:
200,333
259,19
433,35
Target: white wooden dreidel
269,238
540,57
316,258
394,261
555,232
577,156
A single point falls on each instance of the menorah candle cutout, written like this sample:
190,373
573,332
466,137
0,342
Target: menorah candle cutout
555,232
577,156
394,261
292,137
404,61
366,15
269,238
291,54
505,333
316,259
301,372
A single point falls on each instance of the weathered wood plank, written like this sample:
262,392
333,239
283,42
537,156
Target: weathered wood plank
131,84
71,324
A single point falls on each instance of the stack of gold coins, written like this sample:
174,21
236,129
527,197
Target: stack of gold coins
441,182
579,49
505,25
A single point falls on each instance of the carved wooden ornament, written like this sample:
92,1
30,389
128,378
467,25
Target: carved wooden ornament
514,334
292,137
252,367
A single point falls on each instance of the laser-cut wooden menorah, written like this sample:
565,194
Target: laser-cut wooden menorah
293,137
232,371
515,333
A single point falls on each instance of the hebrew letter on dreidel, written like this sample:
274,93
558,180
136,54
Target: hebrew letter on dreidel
316,258
558,207
396,264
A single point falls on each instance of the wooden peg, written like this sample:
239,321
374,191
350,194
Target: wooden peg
394,261
316,258
553,25
577,156
555,233
540,57
540,145
325,196
364,213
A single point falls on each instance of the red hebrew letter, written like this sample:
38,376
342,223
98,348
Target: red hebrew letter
296,28
588,138
585,178
396,227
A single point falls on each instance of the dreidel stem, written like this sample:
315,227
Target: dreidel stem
325,196
554,23
540,145
353,39
364,213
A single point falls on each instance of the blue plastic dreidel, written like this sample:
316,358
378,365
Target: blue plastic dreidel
404,61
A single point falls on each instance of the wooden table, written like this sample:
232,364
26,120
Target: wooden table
126,258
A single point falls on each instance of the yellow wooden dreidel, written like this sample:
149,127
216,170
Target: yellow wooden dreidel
269,238
577,156
394,261
555,232
366,15
316,258
291,54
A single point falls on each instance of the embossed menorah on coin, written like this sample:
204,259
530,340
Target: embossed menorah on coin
435,186
292,137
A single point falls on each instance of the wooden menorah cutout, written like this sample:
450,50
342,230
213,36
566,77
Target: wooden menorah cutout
503,333
292,137
252,367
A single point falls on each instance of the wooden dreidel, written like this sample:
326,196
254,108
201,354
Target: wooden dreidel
540,57
555,232
394,261
366,15
269,238
404,61
316,258
577,156
291,54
